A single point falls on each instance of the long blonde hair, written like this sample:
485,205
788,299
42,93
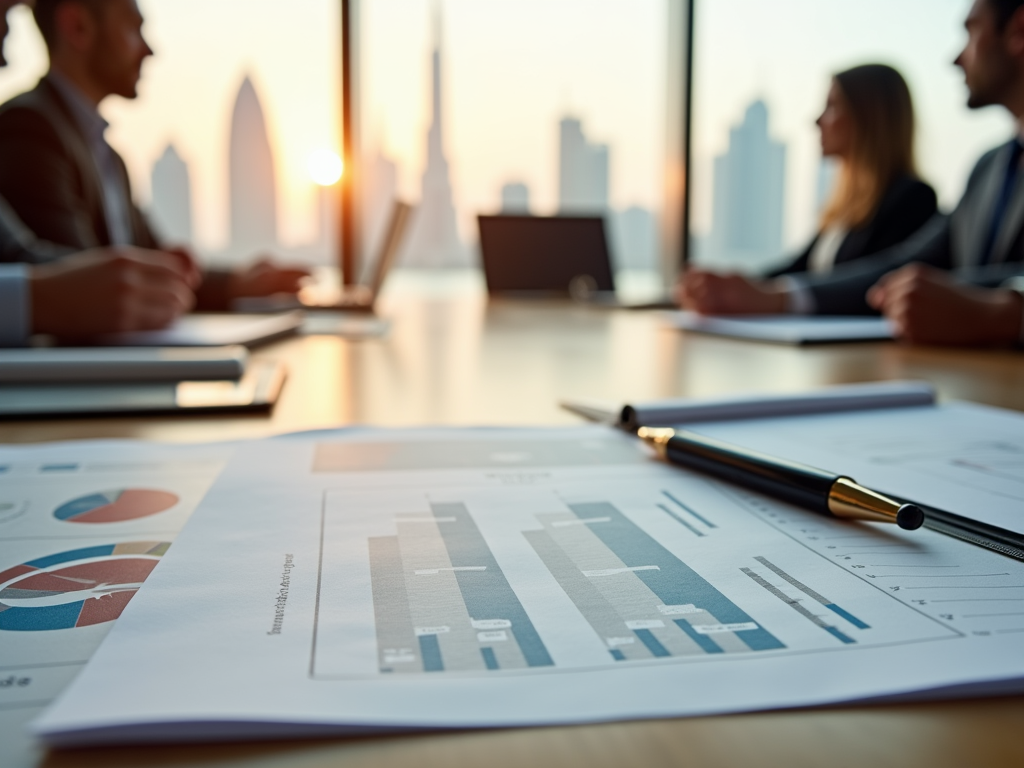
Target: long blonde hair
882,145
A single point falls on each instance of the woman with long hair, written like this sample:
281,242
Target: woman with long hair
878,200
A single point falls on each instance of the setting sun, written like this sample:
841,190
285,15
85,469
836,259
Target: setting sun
325,167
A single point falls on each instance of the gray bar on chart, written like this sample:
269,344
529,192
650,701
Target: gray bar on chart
595,608
795,605
435,600
811,593
486,592
397,646
634,603
672,581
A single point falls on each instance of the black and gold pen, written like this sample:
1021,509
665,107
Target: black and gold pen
817,490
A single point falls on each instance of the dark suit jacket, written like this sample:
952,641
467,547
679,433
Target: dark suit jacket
906,206
953,242
48,176
18,244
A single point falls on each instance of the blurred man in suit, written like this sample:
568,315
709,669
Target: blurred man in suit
948,284
58,172
47,288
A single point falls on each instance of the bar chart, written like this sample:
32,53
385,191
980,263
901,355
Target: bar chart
483,580
441,601
641,600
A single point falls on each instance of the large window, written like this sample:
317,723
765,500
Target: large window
236,129
761,73
487,106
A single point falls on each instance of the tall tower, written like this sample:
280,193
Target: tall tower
435,237
252,183
171,207
582,170
746,226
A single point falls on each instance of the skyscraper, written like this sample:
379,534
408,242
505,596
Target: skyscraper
749,187
171,206
434,240
251,178
582,170
515,198
634,237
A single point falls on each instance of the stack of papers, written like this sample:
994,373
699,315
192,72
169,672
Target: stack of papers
341,583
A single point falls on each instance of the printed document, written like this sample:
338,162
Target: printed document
785,329
82,524
342,583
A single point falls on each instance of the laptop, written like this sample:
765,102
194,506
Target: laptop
552,256
355,298
546,255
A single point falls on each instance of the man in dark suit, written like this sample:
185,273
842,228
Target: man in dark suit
56,169
945,284
52,289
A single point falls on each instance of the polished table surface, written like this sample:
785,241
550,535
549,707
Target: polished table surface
454,358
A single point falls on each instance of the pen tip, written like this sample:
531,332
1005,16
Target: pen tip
910,517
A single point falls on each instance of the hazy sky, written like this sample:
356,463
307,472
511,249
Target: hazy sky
513,68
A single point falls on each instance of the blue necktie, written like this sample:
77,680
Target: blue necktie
1003,201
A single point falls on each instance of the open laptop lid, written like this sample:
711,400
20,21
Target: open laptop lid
394,235
545,254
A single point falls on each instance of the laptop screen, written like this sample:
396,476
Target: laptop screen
545,254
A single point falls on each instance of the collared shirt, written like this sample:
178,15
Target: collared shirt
116,205
15,311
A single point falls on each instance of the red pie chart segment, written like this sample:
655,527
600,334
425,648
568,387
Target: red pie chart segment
115,506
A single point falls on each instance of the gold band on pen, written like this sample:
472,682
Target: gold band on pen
657,438
848,500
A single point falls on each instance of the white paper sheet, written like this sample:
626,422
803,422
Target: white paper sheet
80,526
785,329
338,584
963,458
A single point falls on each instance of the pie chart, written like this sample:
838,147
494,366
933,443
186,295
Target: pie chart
115,506
78,588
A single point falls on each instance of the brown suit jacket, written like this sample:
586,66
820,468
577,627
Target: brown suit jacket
48,176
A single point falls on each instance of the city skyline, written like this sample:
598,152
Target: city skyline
511,73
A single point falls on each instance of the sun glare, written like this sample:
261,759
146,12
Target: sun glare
324,167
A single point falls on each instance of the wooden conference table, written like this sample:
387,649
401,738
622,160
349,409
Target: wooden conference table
454,358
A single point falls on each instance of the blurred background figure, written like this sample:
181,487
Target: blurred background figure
878,200
47,288
58,172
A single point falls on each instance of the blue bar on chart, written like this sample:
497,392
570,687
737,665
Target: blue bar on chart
487,595
796,606
668,577
688,509
680,520
812,594
642,602
441,602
